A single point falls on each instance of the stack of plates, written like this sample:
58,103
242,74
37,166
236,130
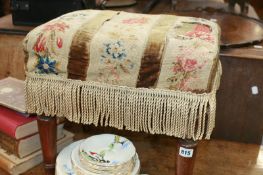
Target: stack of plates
105,154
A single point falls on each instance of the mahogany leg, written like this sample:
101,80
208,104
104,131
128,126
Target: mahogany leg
186,153
47,127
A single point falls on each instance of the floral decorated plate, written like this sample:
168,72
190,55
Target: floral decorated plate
63,162
107,150
80,169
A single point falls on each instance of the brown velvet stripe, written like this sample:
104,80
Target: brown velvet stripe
214,69
212,75
150,64
80,46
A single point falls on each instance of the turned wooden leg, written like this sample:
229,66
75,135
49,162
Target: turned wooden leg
47,127
186,152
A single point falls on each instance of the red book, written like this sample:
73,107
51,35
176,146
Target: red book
15,124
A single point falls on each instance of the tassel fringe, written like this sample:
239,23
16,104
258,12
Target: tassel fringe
181,114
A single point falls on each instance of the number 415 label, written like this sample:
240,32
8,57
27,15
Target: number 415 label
184,152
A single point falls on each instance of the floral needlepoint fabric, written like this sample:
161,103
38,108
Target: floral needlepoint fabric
118,46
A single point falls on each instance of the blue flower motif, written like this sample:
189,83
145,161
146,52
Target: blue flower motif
46,66
115,51
125,144
68,170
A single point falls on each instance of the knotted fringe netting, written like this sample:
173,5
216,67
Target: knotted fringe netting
155,111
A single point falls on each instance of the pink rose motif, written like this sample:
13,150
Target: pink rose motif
184,65
60,26
189,65
202,28
59,42
141,20
201,31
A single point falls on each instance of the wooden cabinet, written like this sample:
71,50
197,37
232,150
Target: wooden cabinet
11,56
239,111
11,48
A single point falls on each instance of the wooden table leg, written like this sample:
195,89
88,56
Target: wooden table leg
186,153
47,129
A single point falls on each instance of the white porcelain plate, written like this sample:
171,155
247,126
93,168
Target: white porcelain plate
79,168
63,161
107,150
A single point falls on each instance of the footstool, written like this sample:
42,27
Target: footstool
153,73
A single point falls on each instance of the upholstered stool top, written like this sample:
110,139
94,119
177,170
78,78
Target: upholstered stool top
152,73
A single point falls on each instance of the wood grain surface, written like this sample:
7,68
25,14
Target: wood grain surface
185,157
239,112
248,52
11,56
47,132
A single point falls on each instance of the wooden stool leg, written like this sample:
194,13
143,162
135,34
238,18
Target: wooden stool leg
47,127
186,153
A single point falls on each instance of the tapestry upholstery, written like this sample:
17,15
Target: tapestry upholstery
153,73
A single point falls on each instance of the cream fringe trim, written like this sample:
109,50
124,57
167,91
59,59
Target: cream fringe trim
156,111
